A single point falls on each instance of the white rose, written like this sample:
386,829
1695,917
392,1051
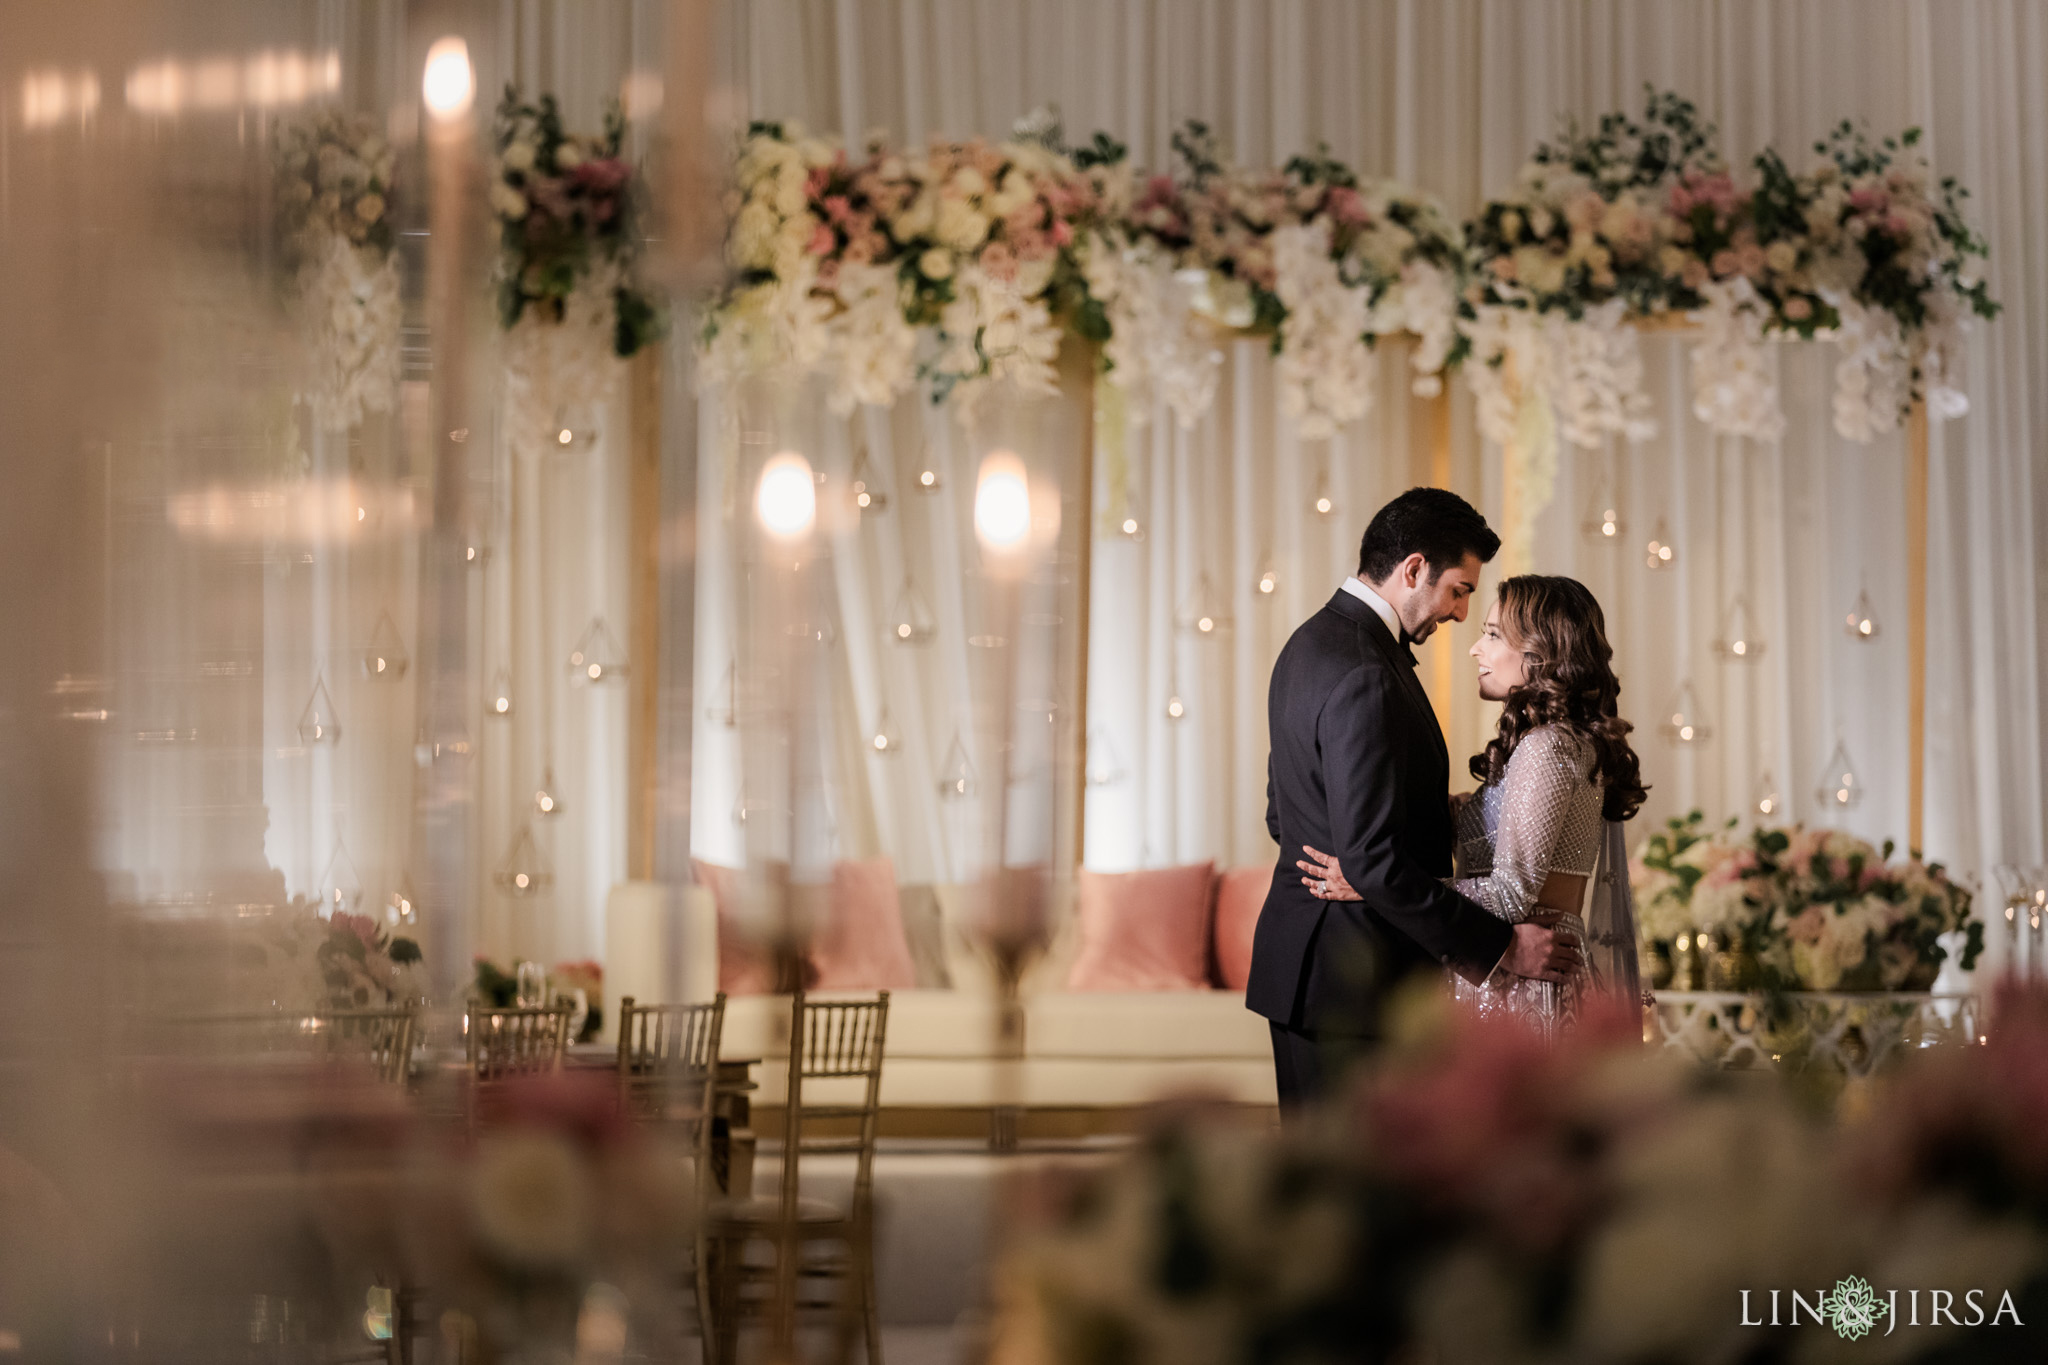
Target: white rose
569,155
508,202
961,226
968,181
935,264
519,156
532,1199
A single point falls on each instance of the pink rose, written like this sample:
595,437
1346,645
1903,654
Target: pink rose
1062,234
822,240
607,175
837,207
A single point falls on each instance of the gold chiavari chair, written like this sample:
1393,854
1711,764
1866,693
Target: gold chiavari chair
668,1078
504,1043
383,1037
835,1045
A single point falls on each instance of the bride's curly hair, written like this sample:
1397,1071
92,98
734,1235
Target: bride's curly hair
1559,628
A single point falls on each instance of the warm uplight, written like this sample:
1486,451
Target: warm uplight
49,98
1002,503
450,84
267,80
786,499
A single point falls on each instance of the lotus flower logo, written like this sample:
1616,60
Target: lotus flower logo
1853,1308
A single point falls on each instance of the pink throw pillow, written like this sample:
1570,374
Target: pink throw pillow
1144,931
1240,895
861,945
745,966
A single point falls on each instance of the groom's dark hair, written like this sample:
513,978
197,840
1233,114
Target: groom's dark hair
1434,522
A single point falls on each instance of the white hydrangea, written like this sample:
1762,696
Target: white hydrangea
870,350
1324,368
350,315
1734,384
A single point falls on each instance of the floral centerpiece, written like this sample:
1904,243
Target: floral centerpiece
1484,1197
306,962
498,988
569,298
1812,910
557,1230
334,196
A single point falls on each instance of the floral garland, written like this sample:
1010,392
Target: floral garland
333,178
965,263
569,298
1814,910
960,267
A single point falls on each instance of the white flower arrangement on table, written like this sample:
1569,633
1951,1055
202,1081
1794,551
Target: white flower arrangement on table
1808,910
334,193
1479,1195
569,297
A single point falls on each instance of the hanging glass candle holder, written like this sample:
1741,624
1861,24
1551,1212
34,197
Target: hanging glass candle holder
956,774
430,748
385,660
927,479
340,887
523,871
317,723
1321,500
1683,724
1202,613
1661,554
476,548
1840,787
1268,581
1765,801
867,489
546,803
1739,643
1105,766
597,657
402,905
1602,523
1861,625
1176,709
910,619
1125,518
498,700
885,742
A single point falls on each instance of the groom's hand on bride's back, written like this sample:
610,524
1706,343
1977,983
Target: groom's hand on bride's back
1537,950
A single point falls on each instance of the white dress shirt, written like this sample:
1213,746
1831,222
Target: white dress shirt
1362,590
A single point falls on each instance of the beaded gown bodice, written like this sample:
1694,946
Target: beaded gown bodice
1542,816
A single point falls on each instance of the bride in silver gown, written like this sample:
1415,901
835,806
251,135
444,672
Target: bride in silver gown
1542,837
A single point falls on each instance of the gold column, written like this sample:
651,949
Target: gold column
643,585
1442,651
1916,623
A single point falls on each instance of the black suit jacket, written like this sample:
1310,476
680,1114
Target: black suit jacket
1358,768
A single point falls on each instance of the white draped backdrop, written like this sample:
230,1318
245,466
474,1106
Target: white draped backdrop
1452,95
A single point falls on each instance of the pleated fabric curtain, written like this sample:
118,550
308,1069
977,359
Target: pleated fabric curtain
1451,96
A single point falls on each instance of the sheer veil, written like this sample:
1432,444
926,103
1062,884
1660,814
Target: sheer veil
1611,921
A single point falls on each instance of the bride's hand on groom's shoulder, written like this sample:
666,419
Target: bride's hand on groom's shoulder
1324,878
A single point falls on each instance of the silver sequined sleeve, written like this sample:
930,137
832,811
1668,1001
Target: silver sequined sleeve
1534,813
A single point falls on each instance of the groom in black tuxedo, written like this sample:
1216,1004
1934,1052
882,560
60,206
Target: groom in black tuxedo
1358,767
